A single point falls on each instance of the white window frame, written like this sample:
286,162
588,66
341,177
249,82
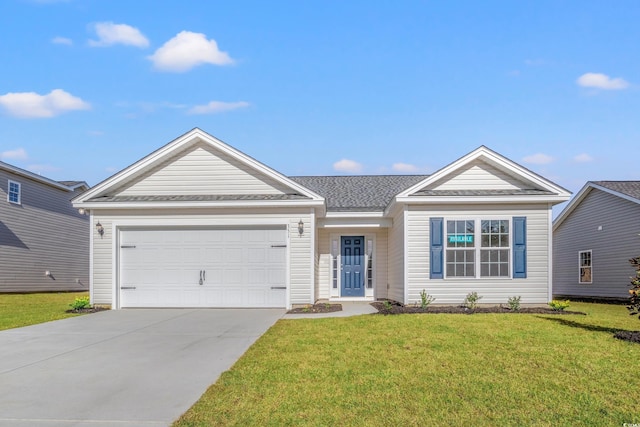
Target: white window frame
580,267
477,235
9,192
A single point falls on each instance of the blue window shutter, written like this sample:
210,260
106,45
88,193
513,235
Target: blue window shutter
437,244
519,247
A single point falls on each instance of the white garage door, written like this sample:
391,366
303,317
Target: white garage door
203,268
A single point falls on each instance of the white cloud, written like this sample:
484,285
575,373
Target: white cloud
109,34
583,158
601,81
187,50
62,40
42,168
539,159
404,168
215,107
17,154
33,105
348,166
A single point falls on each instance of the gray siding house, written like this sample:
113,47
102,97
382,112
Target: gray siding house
593,239
44,241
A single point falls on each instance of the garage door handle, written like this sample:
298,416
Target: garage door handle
278,287
201,278
278,246
127,287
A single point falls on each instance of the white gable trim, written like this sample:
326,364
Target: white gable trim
491,157
584,191
192,137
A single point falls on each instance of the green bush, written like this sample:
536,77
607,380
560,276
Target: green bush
634,300
425,299
80,303
558,305
471,300
514,303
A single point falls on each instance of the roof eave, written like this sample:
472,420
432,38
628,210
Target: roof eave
412,200
195,204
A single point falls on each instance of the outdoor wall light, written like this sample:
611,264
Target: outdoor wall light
300,227
99,228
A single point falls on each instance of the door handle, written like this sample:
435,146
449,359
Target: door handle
201,280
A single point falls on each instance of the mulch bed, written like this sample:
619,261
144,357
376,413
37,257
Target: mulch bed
400,309
316,308
632,336
88,310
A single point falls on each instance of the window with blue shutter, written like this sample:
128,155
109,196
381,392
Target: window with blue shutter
436,239
519,247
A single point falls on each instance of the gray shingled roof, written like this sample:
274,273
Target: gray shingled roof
198,198
629,188
361,193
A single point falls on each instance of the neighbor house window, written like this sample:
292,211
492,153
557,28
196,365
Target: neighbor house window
13,195
492,254
585,266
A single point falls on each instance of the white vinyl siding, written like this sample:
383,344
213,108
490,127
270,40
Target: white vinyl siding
533,290
202,170
300,274
608,226
479,175
397,264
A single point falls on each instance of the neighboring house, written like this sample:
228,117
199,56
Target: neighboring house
40,233
593,239
197,223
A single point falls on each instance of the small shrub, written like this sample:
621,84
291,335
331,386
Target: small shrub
327,305
634,292
514,303
387,305
80,303
471,300
306,308
425,299
558,305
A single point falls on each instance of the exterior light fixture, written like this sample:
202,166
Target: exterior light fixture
99,228
300,227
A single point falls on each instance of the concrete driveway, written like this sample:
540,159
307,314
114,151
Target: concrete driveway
121,367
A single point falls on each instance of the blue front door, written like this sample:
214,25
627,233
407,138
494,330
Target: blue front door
352,266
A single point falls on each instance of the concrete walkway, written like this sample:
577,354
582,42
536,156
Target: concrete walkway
348,309
122,367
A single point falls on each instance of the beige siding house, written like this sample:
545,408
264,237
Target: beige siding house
199,224
44,241
593,239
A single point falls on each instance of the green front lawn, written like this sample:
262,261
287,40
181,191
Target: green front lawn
422,369
18,310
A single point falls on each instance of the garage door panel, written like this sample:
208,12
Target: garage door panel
240,267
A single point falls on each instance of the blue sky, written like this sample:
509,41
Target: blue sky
309,88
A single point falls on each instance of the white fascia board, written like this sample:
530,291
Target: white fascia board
192,137
181,205
354,214
34,177
430,200
493,157
354,222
